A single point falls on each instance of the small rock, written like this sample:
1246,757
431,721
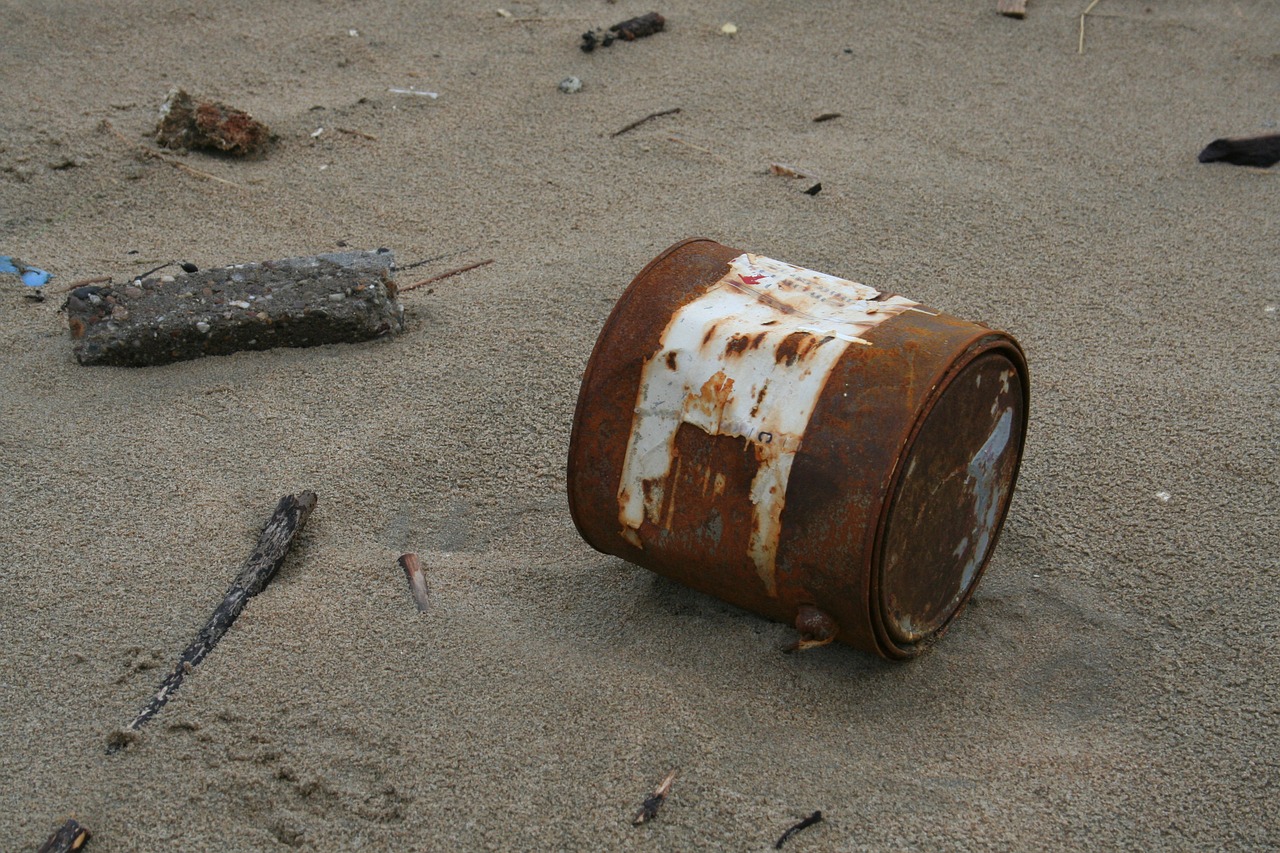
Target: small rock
570,85
729,30
189,123
202,327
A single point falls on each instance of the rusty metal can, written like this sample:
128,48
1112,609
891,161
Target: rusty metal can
799,445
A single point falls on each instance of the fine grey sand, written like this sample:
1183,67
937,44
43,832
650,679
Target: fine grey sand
1115,683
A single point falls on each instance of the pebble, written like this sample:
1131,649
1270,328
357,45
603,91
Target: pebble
337,297
202,327
133,292
238,304
729,30
569,85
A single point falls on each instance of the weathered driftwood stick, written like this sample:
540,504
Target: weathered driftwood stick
295,302
649,810
417,580
285,523
70,836
1012,8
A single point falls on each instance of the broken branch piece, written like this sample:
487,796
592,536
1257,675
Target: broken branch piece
286,522
417,580
1012,8
641,121
649,810
816,817
69,837
629,30
445,275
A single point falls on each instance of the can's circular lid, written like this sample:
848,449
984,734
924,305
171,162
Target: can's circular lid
950,501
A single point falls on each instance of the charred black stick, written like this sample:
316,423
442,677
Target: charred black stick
641,121
70,836
816,817
417,580
649,810
629,30
1262,151
639,27
273,545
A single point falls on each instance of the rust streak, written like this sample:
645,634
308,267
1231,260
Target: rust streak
760,399
737,344
794,347
672,483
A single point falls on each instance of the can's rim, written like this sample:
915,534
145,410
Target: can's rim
984,343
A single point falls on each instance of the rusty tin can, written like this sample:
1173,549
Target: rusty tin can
799,445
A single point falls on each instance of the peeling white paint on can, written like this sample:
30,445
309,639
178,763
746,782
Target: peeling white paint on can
749,358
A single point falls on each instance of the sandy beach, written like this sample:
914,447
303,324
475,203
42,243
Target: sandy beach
1115,682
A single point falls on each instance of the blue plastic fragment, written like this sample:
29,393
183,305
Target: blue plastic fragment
31,276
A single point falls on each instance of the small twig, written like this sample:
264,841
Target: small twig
816,817
70,836
641,121
1086,11
417,580
152,272
649,810
444,275
156,155
359,133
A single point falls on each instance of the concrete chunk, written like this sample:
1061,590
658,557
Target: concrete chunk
295,302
